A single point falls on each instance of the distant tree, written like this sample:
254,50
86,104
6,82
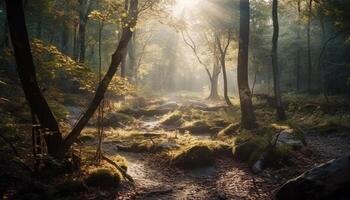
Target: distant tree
309,56
276,72
248,120
223,48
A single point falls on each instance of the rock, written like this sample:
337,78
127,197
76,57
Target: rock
194,157
327,181
258,166
243,151
173,118
288,137
229,130
197,127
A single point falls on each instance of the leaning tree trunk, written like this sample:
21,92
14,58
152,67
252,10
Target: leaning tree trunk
248,120
103,86
27,75
276,75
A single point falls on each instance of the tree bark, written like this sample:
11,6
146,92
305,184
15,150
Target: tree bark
299,49
248,120
276,72
309,58
27,75
84,8
214,82
103,86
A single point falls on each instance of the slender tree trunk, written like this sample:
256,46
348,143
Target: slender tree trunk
299,49
214,82
103,86
309,58
248,120
224,74
132,58
27,75
276,75
84,7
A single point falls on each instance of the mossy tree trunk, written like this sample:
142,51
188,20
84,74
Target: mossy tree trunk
276,72
248,120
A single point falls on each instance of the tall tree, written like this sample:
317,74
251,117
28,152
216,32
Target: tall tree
248,120
84,9
27,75
276,75
57,146
299,49
309,58
223,48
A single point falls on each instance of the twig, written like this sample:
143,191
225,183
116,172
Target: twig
124,173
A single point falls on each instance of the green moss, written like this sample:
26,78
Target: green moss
103,178
193,157
173,118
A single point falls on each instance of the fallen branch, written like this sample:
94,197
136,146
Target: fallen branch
121,170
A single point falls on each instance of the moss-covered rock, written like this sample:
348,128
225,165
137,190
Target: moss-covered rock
103,178
198,126
229,130
193,157
173,118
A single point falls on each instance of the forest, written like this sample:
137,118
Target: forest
175,99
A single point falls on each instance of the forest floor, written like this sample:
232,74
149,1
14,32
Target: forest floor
226,179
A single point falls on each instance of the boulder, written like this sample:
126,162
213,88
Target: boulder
194,157
327,181
196,127
288,137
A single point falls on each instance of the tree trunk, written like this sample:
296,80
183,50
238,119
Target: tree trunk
276,75
132,59
248,120
103,86
84,7
309,58
214,82
27,75
299,49
224,74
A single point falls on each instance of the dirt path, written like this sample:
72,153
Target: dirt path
330,145
156,180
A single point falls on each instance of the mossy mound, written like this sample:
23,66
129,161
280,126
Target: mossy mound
103,178
173,118
243,152
197,127
193,157
117,119
86,138
229,130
